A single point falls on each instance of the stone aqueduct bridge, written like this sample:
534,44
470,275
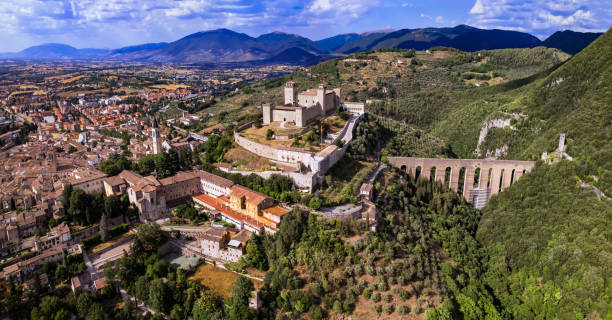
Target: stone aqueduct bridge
493,175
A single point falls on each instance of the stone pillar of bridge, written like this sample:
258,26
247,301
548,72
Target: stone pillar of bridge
412,170
507,178
495,178
440,174
482,178
518,173
468,183
454,178
426,172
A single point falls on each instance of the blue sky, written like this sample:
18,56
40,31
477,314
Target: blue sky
116,23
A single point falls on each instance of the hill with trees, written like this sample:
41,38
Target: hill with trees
570,41
541,249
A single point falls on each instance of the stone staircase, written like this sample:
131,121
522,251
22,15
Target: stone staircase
480,197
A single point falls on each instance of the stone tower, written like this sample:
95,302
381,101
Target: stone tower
266,110
290,93
561,147
321,98
157,145
52,161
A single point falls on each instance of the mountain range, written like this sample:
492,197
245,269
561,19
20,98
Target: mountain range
223,45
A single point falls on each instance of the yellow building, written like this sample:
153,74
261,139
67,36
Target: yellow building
248,202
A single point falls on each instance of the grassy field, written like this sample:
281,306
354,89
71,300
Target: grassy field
247,161
73,79
218,281
169,86
344,177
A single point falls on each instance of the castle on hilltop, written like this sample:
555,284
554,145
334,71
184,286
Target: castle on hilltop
304,107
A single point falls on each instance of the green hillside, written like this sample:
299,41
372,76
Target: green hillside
548,237
551,241
543,248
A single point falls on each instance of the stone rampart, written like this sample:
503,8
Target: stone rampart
302,180
318,163
282,155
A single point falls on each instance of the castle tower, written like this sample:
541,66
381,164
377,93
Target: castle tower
321,99
157,145
290,93
53,160
338,97
561,147
41,133
266,109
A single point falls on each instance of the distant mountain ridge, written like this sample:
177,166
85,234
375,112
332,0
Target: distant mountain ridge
461,37
224,45
54,51
334,43
570,41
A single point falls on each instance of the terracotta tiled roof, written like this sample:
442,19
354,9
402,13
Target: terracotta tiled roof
252,197
214,179
179,177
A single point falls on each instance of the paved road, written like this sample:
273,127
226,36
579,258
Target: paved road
185,228
349,207
374,174
598,192
111,255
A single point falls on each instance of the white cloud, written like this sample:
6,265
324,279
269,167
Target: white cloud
341,8
478,8
542,17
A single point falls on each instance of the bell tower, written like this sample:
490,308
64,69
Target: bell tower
290,93
156,137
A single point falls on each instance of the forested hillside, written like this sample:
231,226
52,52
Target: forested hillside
550,240
540,250
549,235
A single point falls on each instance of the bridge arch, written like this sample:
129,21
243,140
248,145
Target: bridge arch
488,175
417,172
477,175
447,176
461,173
432,173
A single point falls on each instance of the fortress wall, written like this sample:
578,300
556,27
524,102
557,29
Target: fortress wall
309,114
283,115
244,126
272,153
330,103
319,163
302,180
